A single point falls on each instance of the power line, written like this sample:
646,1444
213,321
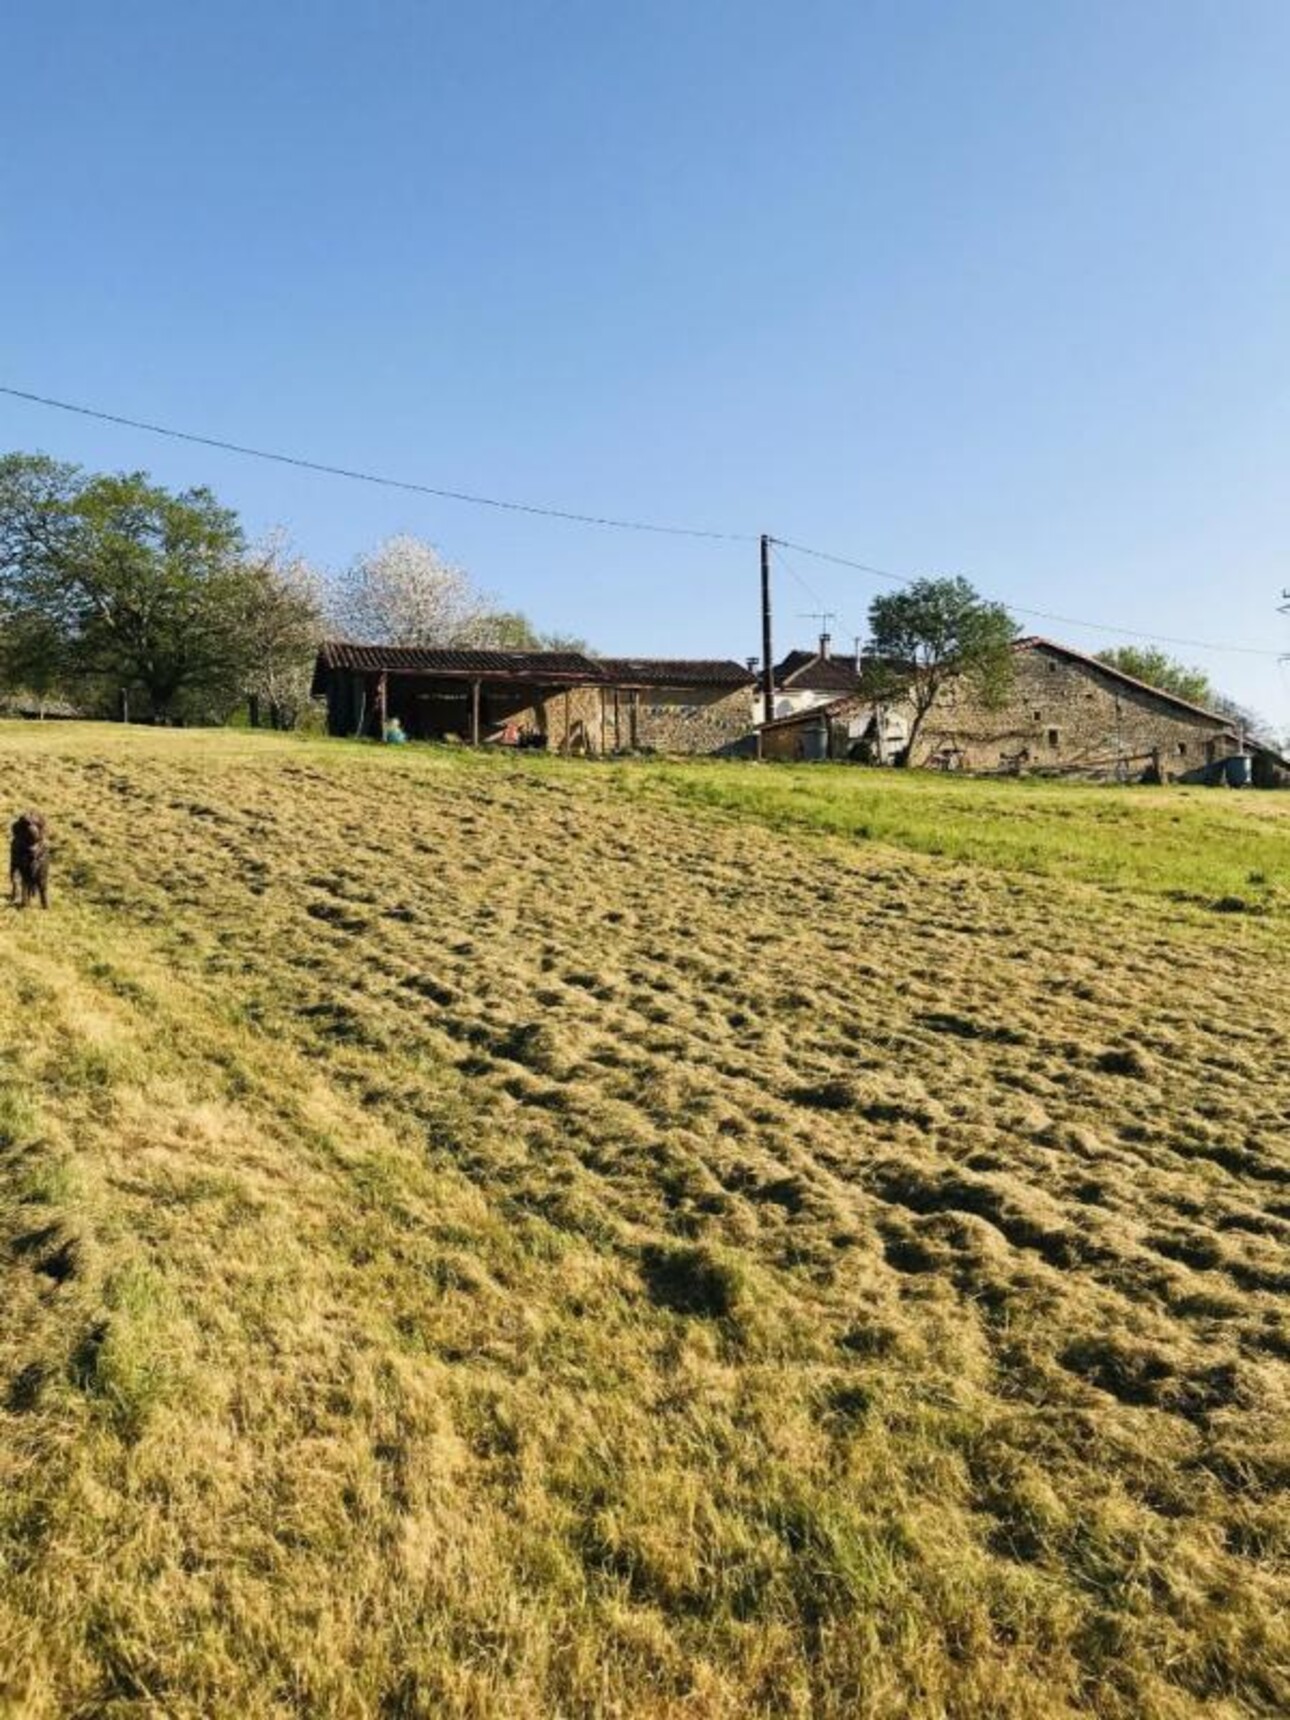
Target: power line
374,477
443,494
1038,614
777,548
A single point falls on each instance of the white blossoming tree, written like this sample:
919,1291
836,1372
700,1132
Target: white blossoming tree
404,593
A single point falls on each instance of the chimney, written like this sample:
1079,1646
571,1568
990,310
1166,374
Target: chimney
826,643
859,655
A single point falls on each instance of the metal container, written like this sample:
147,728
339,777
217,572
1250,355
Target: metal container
815,743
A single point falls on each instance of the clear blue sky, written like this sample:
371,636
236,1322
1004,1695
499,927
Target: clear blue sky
992,288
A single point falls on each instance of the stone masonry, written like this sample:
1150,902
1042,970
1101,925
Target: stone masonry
1068,712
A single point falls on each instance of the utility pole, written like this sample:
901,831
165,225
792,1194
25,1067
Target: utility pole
767,649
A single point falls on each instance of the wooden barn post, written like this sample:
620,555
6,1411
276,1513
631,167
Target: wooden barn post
382,701
474,713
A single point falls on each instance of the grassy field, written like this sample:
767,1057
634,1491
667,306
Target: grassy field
488,1236
1230,852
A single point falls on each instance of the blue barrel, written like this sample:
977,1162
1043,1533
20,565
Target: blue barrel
1239,770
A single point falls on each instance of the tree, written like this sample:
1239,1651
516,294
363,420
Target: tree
1158,669
403,593
35,500
284,623
566,642
936,629
1252,723
511,630
116,582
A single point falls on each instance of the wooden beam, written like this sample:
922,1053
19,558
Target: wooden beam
382,703
474,712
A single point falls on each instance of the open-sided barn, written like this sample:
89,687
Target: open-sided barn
564,700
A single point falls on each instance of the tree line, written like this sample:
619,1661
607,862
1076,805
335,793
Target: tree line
126,598
123,597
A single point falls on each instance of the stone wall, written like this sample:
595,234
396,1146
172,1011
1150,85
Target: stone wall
572,719
689,719
586,719
1067,715
622,719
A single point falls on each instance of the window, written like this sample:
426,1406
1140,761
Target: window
1052,665
1182,749
1038,716
1053,738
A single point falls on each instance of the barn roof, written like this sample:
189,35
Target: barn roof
675,672
439,660
562,667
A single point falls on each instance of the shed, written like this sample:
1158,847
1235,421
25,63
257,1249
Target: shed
565,700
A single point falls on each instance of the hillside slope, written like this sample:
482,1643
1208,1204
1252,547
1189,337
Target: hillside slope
495,1237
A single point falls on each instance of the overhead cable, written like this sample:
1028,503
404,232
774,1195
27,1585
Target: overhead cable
442,493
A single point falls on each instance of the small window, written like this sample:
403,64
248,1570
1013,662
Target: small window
1038,716
1052,666
1182,749
1053,737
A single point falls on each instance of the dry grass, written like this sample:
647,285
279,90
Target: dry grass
480,1237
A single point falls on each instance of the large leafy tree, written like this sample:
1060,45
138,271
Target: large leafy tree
151,591
1158,669
935,630
114,582
36,494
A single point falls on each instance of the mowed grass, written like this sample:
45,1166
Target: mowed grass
490,1236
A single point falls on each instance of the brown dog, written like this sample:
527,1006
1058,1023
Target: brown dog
29,859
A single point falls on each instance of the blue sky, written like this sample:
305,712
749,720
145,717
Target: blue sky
992,288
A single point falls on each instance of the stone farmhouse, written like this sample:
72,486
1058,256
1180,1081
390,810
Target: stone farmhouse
562,700
1071,713
1067,714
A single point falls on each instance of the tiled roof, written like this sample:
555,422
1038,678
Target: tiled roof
844,705
560,666
434,660
813,673
675,672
